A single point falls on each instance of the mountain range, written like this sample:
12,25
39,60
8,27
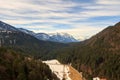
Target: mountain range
98,56
54,37
12,37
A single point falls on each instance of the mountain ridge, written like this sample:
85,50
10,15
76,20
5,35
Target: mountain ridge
5,26
59,37
98,56
54,37
13,38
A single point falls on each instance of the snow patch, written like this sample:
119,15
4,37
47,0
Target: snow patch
61,70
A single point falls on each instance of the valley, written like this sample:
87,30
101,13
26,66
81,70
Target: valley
89,59
59,40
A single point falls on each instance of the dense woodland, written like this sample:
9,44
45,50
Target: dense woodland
97,56
28,44
14,66
92,62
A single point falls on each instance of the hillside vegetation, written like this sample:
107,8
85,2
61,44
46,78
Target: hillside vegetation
28,44
97,56
14,66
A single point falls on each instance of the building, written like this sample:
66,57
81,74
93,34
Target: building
96,78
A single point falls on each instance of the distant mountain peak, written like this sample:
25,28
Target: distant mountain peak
42,36
65,34
61,34
62,37
54,37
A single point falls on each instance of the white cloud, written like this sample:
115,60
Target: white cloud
57,8
102,8
38,27
109,2
52,12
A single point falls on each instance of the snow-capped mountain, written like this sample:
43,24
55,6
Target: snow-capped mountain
63,37
42,36
7,27
54,37
27,31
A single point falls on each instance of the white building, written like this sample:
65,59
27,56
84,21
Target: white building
96,78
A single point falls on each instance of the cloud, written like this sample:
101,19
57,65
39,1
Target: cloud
109,2
103,8
77,17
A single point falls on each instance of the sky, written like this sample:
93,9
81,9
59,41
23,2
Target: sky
80,18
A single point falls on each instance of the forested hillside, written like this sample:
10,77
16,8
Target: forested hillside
97,56
14,66
28,44
12,37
